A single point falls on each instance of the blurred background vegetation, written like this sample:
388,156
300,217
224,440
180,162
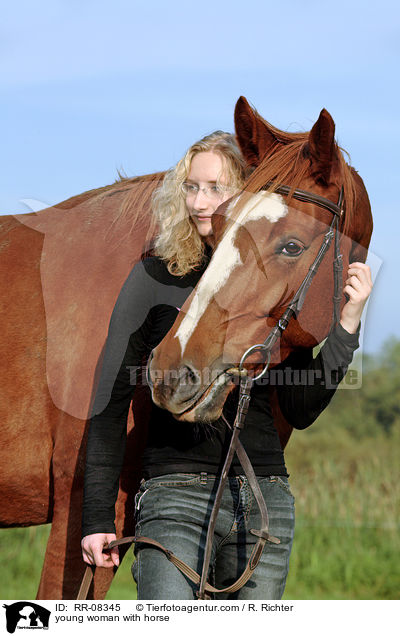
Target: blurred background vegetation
345,477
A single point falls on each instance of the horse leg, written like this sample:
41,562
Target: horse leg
63,566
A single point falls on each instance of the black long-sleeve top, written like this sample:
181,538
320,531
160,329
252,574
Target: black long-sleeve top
145,311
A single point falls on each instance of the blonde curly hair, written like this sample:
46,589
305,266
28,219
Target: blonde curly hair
178,242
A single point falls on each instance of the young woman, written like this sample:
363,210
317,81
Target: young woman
181,462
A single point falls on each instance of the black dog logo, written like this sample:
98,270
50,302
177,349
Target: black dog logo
26,615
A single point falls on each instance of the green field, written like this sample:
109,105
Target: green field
345,477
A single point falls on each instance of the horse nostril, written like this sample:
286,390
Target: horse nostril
188,376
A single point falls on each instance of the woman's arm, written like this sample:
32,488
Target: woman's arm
128,334
301,404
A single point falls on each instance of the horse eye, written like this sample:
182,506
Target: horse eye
292,249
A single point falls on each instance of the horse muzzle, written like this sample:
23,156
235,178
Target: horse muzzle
190,395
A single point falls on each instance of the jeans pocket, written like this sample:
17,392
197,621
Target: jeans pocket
138,498
283,483
171,480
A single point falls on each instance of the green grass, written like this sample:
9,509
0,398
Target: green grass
21,557
330,562
347,538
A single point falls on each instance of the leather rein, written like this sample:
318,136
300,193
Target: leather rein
246,383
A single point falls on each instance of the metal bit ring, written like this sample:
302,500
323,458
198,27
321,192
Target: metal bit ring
256,347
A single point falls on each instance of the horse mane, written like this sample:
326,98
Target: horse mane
134,202
288,162
135,208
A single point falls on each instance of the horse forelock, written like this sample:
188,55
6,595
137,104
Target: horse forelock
289,164
252,207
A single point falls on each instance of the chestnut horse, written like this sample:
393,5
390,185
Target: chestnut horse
266,244
62,269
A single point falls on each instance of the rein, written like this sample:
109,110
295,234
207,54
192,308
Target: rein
246,383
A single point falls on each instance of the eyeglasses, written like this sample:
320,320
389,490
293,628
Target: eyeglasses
213,192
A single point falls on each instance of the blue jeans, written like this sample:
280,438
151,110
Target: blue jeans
175,510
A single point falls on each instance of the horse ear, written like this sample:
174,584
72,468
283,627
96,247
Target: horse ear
252,133
321,143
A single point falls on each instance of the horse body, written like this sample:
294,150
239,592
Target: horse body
62,269
27,455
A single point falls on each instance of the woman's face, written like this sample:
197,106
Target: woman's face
206,188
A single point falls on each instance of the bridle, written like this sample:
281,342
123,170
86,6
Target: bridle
296,304
245,385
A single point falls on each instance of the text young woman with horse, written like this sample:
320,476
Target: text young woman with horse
184,454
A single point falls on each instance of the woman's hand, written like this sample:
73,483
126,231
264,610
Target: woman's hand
92,550
358,287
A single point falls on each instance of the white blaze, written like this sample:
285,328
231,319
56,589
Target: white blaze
226,257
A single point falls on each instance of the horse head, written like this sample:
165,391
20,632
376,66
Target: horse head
265,245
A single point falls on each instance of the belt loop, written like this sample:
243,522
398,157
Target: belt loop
203,479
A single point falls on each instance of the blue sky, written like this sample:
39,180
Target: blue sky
92,87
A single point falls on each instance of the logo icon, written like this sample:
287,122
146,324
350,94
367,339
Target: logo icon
26,615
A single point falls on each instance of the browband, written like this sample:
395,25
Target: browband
308,197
